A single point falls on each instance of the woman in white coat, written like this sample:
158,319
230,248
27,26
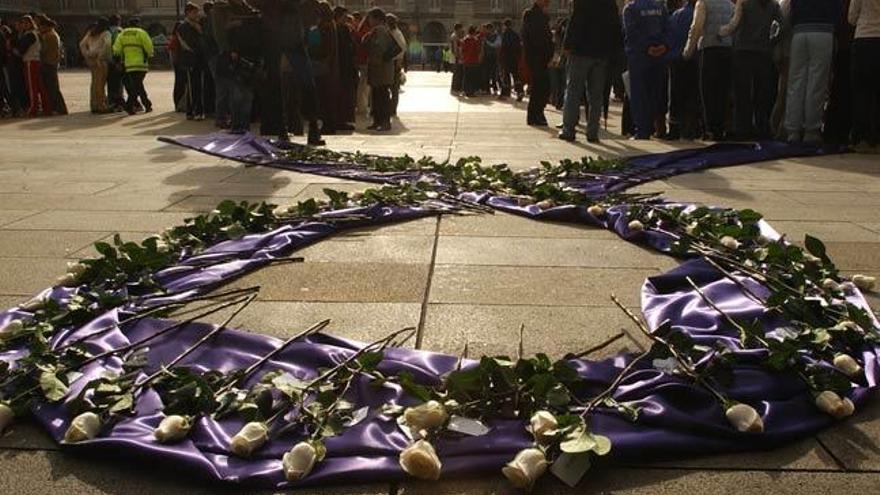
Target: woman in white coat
96,47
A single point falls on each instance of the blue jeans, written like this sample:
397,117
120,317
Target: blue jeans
242,98
584,73
808,76
222,91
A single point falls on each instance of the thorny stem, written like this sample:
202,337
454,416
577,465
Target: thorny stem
221,328
616,383
685,364
252,368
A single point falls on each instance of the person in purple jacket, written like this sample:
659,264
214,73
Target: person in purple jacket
644,29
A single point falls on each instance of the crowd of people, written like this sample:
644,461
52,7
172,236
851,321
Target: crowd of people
794,70
30,52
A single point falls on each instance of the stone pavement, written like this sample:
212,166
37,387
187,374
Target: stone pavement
68,182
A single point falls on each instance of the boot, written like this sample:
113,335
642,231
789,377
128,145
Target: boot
315,135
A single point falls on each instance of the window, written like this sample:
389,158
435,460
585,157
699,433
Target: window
435,6
496,6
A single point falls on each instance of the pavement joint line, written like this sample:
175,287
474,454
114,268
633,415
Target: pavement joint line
831,453
635,467
426,298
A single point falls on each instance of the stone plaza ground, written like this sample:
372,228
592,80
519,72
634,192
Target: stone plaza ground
66,182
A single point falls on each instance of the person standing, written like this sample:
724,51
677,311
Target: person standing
684,78
752,66
347,71
96,49
470,59
538,48
812,46
865,16
491,47
50,59
715,62
455,40
28,48
593,36
645,44
192,60
244,35
511,51
136,49
380,68
399,61
115,69
13,72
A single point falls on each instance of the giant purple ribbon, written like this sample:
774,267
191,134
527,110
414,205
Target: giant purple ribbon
676,419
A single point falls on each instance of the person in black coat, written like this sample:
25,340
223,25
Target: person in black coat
193,61
511,51
538,47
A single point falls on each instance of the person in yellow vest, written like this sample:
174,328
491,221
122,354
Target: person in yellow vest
136,49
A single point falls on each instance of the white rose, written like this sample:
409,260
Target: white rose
497,185
282,211
543,426
11,329
596,211
66,280
7,416
34,304
76,269
846,325
251,437
298,463
420,460
848,365
764,240
745,418
83,427
429,415
173,429
864,282
636,226
526,468
830,284
831,403
729,242
162,246
544,205
809,258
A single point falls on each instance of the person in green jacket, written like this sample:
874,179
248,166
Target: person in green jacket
136,48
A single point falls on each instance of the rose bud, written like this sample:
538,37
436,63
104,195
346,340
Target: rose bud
864,282
831,403
282,211
544,205
745,418
173,429
809,258
847,365
729,242
763,240
11,329
86,426
298,463
251,437
429,415
830,284
76,269
596,211
497,185
7,416
543,426
66,280
526,468
33,305
636,226
420,460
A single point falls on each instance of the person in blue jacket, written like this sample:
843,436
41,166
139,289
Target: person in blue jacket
644,30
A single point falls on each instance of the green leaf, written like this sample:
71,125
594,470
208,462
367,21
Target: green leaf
409,385
815,247
53,388
368,361
579,441
603,444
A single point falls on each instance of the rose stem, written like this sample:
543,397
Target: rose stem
685,365
222,327
175,326
611,388
599,347
252,368
156,310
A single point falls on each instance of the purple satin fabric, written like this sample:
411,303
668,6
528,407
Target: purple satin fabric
676,418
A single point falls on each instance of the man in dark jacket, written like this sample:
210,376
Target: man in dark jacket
511,50
538,46
645,42
192,60
593,36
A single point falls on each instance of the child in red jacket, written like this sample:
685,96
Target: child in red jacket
471,47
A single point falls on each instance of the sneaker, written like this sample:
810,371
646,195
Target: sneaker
566,136
200,117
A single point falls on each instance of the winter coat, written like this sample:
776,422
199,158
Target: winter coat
380,72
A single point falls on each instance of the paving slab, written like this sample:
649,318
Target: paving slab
27,276
376,248
546,286
107,221
856,442
556,331
45,244
507,225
